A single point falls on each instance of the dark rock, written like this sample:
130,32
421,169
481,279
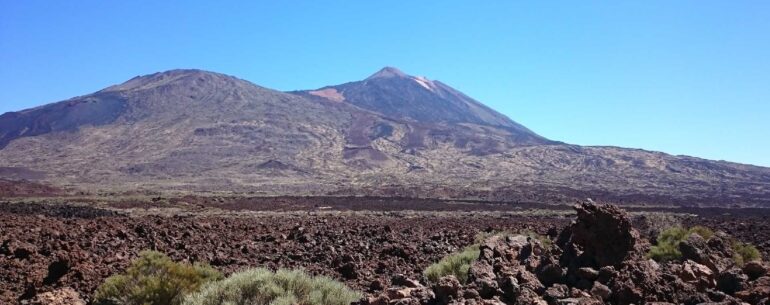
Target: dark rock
510,287
555,293
694,248
732,281
601,291
348,270
470,294
606,273
588,273
550,274
402,280
755,269
527,296
757,293
376,285
56,271
447,288
528,280
604,234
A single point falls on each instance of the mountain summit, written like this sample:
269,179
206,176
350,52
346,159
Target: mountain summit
391,134
387,72
399,95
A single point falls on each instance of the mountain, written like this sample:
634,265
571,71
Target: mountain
390,134
395,94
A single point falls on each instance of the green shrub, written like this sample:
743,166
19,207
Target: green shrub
745,253
667,248
284,287
704,232
457,264
153,279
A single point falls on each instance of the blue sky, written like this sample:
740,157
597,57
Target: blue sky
683,77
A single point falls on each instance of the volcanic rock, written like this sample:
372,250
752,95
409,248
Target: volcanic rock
64,296
602,235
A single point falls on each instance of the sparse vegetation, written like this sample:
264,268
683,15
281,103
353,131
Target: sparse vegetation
284,287
667,248
704,232
154,279
456,264
745,253
459,263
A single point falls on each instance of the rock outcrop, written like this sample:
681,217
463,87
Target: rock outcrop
598,259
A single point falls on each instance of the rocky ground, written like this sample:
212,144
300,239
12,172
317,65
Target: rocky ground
599,258
49,247
63,252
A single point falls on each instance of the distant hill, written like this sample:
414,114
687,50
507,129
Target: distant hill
391,134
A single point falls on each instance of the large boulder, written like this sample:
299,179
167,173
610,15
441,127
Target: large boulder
716,253
602,235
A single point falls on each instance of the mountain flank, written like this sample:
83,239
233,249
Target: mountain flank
391,134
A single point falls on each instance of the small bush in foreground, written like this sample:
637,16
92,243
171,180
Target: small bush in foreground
153,279
456,264
284,287
704,232
667,248
745,253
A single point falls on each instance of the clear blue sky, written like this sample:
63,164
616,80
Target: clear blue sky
683,77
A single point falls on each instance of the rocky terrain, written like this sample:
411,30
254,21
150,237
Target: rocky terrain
391,134
48,247
60,251
599,258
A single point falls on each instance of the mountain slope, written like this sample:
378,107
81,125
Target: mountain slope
395,94
391,134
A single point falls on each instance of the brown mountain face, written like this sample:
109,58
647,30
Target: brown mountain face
397,95
390,134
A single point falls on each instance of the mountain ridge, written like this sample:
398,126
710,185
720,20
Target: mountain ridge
194,130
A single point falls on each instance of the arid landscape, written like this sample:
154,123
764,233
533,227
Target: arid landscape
384,153
355,184
48,246
199,131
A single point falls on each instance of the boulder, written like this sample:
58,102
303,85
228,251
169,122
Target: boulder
605,236
694,248
699,275
447,288
588,273
555,293
758,290
732,281
601,291
755,269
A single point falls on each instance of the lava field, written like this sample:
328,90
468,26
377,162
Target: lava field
45,247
